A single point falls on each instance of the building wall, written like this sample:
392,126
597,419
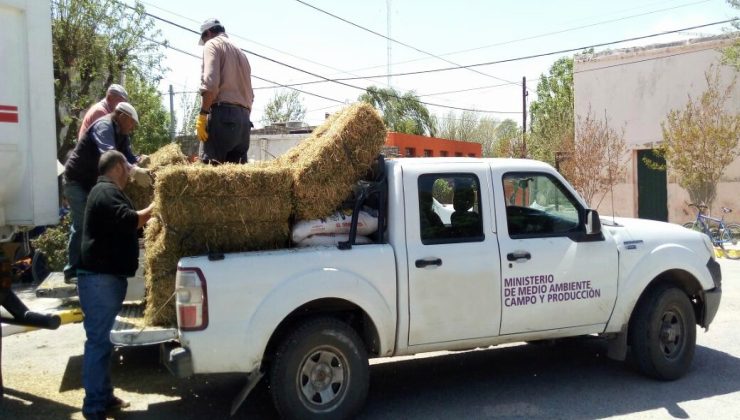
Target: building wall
636,88
410,145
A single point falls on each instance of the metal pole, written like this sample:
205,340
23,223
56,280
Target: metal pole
172,114
524,116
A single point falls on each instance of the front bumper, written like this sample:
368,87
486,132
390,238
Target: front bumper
711,305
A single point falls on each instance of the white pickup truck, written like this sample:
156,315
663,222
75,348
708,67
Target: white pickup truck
471,253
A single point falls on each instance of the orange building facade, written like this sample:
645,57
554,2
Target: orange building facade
410,145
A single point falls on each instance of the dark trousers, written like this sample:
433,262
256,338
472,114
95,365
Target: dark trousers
228,135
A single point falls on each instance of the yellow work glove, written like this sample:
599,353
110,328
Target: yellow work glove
200,127
141,177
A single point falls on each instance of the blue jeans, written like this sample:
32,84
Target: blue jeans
101,298
77,198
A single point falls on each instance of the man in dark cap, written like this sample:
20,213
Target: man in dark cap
223,124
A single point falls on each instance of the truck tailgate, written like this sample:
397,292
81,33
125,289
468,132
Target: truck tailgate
130,329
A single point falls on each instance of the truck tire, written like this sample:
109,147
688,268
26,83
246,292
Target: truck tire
320,371
663,333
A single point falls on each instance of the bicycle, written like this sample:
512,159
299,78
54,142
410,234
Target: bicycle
721,235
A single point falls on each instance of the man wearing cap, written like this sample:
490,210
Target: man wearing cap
110,253
110,132
226,96
113,96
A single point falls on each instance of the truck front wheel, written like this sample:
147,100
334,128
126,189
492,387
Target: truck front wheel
663,334
320,370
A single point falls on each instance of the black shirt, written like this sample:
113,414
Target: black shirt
109,241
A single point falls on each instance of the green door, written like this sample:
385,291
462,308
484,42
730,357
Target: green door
652,191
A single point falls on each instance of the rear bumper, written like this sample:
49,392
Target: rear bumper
178,361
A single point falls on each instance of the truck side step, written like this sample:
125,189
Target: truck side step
130,329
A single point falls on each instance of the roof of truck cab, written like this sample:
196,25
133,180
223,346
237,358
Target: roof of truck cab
504,163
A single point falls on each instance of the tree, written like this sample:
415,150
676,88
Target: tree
552,112
95,43
401,113
284,106
701,140
595,162
469,127
508,139
731,54
153,130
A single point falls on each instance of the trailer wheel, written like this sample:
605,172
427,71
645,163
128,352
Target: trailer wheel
663,334
320,370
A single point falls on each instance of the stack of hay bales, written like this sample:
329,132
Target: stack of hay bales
228,208
208,209
330,162
168,155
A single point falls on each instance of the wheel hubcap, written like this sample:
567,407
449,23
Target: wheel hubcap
322,377
671,334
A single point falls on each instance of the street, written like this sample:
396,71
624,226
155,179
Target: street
569,379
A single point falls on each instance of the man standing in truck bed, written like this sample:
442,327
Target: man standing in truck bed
226,96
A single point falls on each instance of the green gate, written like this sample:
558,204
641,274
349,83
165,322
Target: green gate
652,190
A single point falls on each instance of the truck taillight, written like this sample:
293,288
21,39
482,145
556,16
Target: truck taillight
191,299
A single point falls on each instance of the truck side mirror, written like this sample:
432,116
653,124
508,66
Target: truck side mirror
593,223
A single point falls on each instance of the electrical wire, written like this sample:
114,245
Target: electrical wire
400,43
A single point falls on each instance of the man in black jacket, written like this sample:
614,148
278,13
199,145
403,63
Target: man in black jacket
111,132
110,254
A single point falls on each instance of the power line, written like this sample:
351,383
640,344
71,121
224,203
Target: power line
544,34
522,58
257,43
399,42
167,45
325,79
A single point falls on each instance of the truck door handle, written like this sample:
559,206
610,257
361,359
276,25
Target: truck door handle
424,263
518,255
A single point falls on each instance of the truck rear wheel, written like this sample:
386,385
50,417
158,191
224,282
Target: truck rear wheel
320,370
663,334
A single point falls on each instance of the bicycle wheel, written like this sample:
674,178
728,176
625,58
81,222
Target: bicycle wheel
691,225
729,241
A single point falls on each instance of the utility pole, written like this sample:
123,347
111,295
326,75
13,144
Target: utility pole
524,116
172,114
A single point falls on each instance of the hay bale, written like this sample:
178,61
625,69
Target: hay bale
328,163
204,209
165,156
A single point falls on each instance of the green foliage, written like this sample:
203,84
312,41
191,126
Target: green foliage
401,113
731,54
153,130
442,191
53,243
508,140
95,43
552,113
284,106
701,140
469,126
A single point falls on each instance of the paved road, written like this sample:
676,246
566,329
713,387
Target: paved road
569,380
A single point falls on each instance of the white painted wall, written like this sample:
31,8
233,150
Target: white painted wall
637,88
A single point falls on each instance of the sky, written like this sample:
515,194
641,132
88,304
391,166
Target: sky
429,35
